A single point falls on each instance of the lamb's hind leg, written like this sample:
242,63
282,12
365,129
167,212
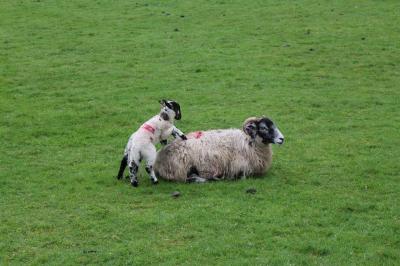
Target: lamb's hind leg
133,162
133,169
149,154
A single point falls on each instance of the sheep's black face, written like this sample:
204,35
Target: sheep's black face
268,132
172,106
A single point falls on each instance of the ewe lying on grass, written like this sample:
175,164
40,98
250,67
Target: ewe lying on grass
220,154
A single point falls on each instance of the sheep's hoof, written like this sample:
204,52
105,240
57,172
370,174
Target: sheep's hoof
155,182
195,179
134,183
119,177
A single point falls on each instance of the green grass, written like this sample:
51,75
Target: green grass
78,77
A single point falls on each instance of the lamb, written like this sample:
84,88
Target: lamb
220,154
141,143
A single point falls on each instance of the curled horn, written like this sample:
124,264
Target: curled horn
250,127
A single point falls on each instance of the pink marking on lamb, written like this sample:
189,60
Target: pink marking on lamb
149,128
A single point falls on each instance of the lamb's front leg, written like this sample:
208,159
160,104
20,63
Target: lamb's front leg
177,133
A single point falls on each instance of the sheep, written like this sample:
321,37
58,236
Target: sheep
141,143
220,154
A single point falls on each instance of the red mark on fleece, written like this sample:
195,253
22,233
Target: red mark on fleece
196,135
149,128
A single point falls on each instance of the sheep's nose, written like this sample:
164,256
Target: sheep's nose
281,140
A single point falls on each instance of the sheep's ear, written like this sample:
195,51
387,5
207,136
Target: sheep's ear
162,102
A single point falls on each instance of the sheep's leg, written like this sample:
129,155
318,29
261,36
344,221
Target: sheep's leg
150,153
195,179
214,178
177,133
124,163
150,171
241,175
133,169
193,176
128,176
133,162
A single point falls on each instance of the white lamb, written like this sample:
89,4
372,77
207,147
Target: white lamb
220,154
141,143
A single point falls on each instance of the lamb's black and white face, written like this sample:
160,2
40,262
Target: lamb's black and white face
172,108
265,129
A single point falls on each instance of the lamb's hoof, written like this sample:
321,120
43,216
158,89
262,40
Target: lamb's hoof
119,177
155,182
135,183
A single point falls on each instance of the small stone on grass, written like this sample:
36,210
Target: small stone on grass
251,190
175,194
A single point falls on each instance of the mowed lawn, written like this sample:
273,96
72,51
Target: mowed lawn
78,77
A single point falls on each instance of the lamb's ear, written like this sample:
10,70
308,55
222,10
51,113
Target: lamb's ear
250,127
178,115
162,102
177,109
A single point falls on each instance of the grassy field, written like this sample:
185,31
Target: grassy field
78,77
